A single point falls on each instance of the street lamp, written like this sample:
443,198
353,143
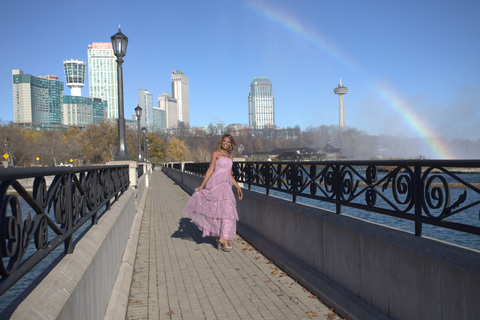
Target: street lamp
144,131
119,43
148,151
138,113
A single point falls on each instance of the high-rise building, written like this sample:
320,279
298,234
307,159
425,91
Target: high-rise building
75,76
261,111
180,93
169,104
159,119
82,112
145,101
37,101
102,75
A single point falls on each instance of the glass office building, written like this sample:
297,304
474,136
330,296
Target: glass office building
37,101
261,111
82,112
159,119
102,75
145,101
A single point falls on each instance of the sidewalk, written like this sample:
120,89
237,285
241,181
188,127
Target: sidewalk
180,275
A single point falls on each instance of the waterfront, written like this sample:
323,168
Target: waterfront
469,216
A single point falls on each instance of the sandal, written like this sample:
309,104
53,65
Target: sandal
223,246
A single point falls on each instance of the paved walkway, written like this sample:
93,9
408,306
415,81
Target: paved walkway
180,275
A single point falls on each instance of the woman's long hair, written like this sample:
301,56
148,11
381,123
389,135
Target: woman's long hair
232,142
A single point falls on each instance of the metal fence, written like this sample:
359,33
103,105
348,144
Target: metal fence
417,190
140,169
55,212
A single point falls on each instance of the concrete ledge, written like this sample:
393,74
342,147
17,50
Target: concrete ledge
117,306
79,287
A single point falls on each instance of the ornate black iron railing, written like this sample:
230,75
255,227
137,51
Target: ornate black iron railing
74,196
417,190
140,170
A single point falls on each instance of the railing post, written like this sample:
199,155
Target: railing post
337,183
267,178
294,182
418,198
68,213
249,175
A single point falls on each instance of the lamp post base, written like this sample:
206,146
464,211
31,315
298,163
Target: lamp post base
121,158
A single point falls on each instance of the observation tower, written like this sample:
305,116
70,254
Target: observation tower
341,90
75,76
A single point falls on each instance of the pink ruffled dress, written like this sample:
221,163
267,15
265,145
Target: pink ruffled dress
212,209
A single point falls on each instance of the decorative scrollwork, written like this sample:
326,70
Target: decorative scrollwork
11,237
330,180
437,196
371,175
402,187
348,184
72,196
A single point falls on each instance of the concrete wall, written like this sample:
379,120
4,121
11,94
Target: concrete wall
354,264
80,286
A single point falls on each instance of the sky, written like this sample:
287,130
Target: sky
412,68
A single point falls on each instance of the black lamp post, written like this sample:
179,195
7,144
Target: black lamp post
138,113
119,43
148,150
144,131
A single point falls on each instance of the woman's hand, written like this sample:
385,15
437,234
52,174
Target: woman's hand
240,193
199,188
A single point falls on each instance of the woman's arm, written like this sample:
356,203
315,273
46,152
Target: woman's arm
210,170
235,184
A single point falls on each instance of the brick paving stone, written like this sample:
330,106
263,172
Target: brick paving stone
180,275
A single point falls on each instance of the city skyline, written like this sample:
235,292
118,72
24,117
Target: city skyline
412,69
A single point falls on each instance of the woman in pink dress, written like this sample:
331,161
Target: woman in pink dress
212,205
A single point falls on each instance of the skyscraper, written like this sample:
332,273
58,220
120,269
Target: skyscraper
169,104
261,111
37,101
180,93
145,101
159,119
75,76
102,75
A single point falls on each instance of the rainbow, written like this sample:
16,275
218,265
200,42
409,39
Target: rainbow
292,25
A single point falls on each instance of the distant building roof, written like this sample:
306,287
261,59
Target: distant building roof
261,81
179,71
329,149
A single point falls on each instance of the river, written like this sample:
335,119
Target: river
470,216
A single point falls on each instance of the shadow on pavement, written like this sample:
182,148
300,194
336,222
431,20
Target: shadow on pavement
189,231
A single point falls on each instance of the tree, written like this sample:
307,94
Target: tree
99,143
177,150
73,142
52,147
258,147
157,148
15,145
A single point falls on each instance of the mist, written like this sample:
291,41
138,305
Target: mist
357,144
451,120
